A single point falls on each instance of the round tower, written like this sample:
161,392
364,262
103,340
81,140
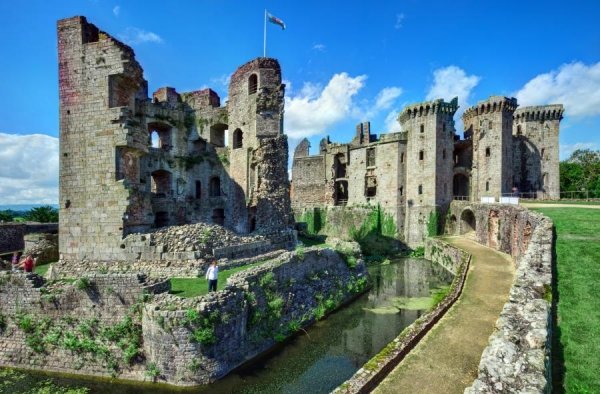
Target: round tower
429,127
489,125
536,150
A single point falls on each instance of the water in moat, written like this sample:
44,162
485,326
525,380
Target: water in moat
325,355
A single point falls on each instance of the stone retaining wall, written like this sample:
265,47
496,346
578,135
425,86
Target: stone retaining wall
517,358
375,370
11,237
217,332
444,254
61,326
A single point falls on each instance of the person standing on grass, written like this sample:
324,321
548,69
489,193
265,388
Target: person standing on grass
28,264
212,274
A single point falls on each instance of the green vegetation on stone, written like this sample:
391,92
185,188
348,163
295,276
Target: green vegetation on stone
578,274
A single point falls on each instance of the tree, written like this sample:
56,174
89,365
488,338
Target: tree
581,171
6,215
45,214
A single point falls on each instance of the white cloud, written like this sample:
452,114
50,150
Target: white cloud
391,123
386,97
313,110
575,85
319,47
117,10
566,150
133,35
399,21
450,82
222,80
29,170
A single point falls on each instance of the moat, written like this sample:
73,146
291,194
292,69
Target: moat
328,353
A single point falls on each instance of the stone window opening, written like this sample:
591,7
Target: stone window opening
487,186
371,157
444,127
422,128
160,185
420,189
468,224
341,193
401,190
519,132
252,84
218,216
421,155
339,163
370,187
198,189
401,157
251,219
159,136
488,152
215,186
199,146
161,219
444,154
217,134
238,139
542,153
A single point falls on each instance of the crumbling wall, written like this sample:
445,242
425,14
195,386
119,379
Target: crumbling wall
11,237
518,352
260,306
74,327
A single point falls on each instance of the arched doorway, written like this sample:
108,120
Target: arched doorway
468,223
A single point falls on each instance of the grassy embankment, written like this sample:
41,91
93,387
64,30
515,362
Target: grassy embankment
193,287
577,347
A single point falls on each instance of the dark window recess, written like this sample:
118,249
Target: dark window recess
401,157
252,84
339,163
371,157
444,154
370,186
238,139
161,219
341,193
422,128
487,152
421,155
420,189
215,186
218,216
198,189
487,186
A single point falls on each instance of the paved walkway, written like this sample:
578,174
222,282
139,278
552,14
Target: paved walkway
446,360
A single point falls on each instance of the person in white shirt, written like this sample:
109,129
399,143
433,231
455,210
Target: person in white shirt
212,274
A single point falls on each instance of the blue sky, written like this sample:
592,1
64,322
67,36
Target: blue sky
343,61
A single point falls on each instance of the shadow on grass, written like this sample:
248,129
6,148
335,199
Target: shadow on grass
557,357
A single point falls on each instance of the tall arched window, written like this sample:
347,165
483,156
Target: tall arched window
238,139
252,84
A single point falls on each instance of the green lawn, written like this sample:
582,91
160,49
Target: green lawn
193,287
578,279
41,269
566,201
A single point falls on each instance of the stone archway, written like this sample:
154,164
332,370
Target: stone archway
468,224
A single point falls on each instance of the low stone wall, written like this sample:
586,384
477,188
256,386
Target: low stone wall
11,237
517,358
74,327
217,332
375,370
444,254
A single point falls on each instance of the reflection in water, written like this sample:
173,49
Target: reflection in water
331,350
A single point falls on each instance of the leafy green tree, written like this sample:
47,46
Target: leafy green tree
6,215
45,214
581,171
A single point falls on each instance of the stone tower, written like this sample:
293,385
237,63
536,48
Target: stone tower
535,150
258,155
99,81
489,125
430,137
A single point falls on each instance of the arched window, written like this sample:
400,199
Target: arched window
215,186
238,139
252,84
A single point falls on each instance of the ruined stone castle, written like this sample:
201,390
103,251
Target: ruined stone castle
130,163
414,174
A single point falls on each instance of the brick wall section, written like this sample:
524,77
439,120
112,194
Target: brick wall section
296,279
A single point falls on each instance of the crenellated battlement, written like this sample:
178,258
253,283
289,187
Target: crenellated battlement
539,113
492,104
428,108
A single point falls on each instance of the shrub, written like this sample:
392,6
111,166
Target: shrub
279,337
204,335
26,323
83,284
152,371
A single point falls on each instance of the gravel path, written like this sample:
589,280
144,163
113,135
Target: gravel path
446,360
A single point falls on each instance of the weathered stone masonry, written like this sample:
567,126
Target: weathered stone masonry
129,164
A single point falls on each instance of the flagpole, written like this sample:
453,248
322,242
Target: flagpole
265,36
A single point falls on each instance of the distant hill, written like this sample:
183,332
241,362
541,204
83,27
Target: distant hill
24,207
